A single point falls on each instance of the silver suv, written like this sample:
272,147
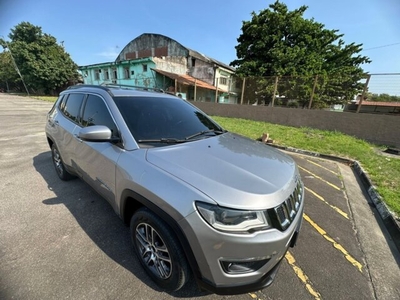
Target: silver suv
201,202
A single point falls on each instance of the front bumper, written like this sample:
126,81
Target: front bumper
210,247
263,282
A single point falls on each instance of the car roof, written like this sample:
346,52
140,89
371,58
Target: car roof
120,90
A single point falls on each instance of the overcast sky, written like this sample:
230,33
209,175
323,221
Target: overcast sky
94,31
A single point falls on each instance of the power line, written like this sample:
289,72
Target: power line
383,46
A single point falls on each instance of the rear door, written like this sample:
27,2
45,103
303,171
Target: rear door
65,124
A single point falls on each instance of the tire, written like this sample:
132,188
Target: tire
59,164
158,250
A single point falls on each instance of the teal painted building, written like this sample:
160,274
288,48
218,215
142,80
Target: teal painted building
157,61
130,72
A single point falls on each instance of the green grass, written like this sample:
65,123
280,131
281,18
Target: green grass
46,98
384,171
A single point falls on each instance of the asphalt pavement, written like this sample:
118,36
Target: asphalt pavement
60,240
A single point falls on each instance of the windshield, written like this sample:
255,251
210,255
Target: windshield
165,120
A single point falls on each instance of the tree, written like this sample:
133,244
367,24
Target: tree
279,42
9,79
382,97
44,64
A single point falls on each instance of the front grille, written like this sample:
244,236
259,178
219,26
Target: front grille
283,215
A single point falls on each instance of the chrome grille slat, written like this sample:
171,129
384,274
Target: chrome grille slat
282,216
290,205
287,211
297,199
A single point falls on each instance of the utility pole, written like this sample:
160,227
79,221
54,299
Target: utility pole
6,46
243,86
313,91
275,89
363,93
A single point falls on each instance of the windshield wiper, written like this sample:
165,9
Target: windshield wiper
163,140
186,139
216,131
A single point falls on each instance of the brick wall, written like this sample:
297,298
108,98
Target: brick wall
375,128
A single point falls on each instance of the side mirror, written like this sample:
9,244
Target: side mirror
96,133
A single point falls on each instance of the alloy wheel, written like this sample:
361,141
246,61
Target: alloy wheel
57,162
153,251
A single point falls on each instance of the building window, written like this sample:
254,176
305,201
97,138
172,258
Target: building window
144,68
126,73
114,74
96,74
193,62
106,74
223,80
132,72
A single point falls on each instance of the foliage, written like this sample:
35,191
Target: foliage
9,79
279,42
382,98
43,63
258,90
384,171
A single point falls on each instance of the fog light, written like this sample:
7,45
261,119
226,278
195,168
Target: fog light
241,267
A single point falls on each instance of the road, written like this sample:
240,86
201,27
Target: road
60,240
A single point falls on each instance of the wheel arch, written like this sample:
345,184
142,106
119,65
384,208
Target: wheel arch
132,201
49,141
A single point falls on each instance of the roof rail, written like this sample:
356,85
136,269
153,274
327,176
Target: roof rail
109,86
78,86
127,86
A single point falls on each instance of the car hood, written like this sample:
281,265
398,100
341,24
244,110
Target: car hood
232,170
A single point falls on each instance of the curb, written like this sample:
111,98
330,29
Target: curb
388,217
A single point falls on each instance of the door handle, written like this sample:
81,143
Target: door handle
78,138
52,123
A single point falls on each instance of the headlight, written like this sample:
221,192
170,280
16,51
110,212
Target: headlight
232,220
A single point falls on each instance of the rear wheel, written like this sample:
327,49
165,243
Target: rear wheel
59,165
158,250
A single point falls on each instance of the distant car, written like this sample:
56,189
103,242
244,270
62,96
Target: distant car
201,202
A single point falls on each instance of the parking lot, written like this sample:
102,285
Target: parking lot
60,240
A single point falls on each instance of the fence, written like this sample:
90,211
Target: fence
268,99
317,91
375,128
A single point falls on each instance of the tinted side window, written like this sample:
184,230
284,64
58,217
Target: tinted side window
72,106
62,103
96,113
59,100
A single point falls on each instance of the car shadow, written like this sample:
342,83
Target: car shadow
99,221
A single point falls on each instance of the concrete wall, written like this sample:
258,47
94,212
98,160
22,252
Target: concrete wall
152,45
379,129
202,70
172,64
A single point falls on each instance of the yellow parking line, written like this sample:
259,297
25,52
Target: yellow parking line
322,167
302,276
316,176
338,210
335,244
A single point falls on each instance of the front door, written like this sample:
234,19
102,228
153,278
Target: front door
96,161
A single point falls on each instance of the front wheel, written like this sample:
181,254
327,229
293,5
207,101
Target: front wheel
59,165
158,250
